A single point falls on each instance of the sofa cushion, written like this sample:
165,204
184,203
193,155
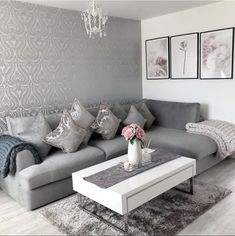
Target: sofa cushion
59,165
112,148
181,142
174,115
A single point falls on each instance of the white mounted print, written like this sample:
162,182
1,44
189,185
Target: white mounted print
217,54
184,56
157,58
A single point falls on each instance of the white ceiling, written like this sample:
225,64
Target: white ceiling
136,10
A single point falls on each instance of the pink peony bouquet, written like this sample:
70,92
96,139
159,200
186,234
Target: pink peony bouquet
132,132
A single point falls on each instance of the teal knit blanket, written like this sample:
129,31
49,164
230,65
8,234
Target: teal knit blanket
9,147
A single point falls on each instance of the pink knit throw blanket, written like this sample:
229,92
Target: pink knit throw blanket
222,132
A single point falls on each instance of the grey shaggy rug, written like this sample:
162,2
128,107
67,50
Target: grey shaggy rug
166,214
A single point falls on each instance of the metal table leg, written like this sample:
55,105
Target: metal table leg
191,188
125,217
191,185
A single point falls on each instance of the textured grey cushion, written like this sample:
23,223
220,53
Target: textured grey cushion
134,116
106,123
3,126
31,129
112,148
144,111
80,115
67,136
181,142
119,111
174,114
58,166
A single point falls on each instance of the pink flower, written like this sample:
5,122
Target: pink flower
128,132
133,131
140,133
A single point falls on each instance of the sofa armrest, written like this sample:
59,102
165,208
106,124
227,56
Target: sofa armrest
24,159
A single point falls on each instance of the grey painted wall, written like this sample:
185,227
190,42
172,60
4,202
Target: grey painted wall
46,59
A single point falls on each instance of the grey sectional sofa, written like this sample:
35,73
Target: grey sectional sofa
36,185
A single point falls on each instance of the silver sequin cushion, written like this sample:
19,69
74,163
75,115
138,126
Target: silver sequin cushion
67,136
106,123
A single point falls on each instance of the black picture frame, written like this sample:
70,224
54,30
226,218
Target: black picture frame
202,61
167,63
196,60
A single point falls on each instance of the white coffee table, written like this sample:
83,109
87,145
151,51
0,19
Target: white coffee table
135,191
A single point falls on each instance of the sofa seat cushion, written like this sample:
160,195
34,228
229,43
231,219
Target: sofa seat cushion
59,165
181,142
112,148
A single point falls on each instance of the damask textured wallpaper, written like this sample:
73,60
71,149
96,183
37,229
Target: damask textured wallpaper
46,59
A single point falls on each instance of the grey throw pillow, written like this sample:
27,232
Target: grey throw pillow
16,125
135,117
119,111
67,136
145,112
32,130
106,123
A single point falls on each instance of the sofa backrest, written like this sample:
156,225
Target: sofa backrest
174,114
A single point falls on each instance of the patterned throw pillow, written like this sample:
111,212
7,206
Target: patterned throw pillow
135,117
145,112
67,136
106,123
32,130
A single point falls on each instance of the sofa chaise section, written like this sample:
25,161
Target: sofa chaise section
179,141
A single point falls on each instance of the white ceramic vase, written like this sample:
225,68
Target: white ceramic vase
134,153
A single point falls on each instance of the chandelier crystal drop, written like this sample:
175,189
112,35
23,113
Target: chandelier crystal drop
94,20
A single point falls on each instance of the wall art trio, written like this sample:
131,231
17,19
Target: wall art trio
177,57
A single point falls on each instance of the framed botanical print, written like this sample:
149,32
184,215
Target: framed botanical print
217,49
157,58
184,56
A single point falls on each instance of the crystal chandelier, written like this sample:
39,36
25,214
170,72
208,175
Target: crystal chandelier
94,20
